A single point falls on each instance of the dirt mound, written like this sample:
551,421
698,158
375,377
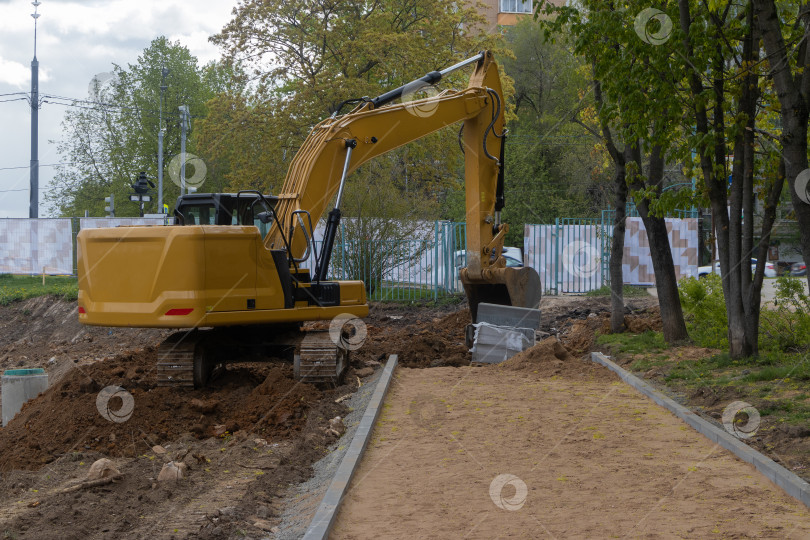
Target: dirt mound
434,343
261,399
550,358
644,321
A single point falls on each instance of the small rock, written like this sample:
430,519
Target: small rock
263,525
227,511
219,430
262,512
364,372
260,442
336,426
172,472
52,360
103,468
159,450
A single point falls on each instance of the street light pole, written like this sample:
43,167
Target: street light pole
163,73
33,208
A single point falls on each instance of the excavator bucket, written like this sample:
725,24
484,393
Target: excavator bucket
518,287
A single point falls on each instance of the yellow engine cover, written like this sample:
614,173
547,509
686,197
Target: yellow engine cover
189,276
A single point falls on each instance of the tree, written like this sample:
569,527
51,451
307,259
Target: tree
112,136
552,166
639,105
720,46
308,59
386,231
788,55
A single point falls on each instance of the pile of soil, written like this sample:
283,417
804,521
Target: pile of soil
551,358
428,343
261,399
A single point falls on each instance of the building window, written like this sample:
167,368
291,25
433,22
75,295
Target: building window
516,6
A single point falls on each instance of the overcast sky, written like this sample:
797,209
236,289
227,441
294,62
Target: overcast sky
76,41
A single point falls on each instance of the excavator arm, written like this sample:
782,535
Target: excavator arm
339,145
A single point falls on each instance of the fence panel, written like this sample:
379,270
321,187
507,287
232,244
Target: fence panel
399,270
35,246
567,255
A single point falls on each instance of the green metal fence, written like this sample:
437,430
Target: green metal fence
424,269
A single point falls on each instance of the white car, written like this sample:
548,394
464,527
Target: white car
770,269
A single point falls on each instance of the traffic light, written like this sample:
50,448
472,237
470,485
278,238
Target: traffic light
142,184
110,208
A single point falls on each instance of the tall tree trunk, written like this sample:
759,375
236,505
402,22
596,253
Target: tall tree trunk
727,228
794,98
617,249
666,281
619,221
751,288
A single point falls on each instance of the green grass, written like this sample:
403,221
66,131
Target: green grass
626,343
628,291
14,288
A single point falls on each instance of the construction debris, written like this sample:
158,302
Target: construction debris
172,472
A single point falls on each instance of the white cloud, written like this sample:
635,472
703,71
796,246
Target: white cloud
76,41
14,73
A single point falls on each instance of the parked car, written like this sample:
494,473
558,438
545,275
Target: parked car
514,259
798,269
770,269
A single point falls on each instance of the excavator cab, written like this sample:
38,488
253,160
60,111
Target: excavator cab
243,208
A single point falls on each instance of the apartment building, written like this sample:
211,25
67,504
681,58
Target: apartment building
507,12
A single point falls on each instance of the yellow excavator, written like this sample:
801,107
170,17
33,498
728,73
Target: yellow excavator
239,293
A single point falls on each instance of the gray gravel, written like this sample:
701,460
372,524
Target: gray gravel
302,501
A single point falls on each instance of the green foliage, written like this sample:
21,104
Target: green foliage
627,343
705,310
383,228
787,326
14,288
309,58
554,167
108,144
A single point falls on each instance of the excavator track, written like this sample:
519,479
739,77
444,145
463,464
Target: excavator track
186,359
182,361
319,360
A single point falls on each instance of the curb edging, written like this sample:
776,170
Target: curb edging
789,482
325,516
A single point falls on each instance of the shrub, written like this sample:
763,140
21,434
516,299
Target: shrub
705,310
787,327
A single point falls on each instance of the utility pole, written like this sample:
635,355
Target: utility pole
161,131
183,130
33,208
